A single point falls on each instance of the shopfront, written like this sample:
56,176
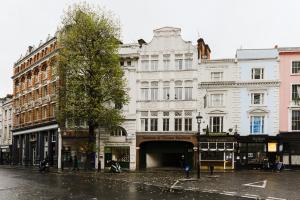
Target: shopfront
5,157
257,151
218,151
290,146
120,154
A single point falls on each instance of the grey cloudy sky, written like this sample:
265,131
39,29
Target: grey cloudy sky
224,24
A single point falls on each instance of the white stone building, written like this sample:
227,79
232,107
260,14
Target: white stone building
219,102
6,124
166,93
259,94
119,145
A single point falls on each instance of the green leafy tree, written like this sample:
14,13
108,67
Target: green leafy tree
91,79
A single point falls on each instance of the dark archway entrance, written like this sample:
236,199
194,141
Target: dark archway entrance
157,154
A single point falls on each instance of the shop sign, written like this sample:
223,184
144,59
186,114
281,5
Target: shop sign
258,139
272,147
218,134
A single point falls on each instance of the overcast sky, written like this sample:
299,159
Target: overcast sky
224,24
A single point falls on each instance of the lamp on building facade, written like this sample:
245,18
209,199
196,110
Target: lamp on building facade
199,118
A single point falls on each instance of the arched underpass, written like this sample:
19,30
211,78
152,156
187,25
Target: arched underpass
159,154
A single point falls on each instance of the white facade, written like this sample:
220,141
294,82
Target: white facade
219,95
166,83
121,144
259,94
6,125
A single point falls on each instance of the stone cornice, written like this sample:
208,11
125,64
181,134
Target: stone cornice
238,84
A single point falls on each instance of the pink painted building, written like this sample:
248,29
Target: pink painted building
289,113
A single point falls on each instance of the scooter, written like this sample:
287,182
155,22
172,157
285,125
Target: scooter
115,167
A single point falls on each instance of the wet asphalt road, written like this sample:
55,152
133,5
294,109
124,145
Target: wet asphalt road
18,184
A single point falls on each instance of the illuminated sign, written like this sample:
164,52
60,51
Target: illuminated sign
272,147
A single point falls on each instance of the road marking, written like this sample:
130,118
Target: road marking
274,198
229,193
259,184
210,191
191,188
175,186
251,196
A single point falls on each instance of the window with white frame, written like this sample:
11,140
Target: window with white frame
154,65
166,121
188,93
295,120
154,90
216,124
178,90
257,124
295,91
216,100
145,65
178,121
166,61
145,91
257,98
178,64
166,65
188,63
166,90
295,67
153,121
144,121
118,132
188,120
257,73
216,76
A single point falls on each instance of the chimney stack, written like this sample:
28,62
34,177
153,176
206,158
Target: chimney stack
30,48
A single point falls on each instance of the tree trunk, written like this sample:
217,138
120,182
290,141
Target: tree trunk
90,147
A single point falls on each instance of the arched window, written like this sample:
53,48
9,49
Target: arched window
118,132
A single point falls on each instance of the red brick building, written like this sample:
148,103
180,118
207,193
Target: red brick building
34,102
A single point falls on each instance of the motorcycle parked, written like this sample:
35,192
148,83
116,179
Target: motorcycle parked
44,166
115,167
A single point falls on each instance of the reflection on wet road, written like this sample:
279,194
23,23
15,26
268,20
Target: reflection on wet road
30,185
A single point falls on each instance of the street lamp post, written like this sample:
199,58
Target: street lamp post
199,118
